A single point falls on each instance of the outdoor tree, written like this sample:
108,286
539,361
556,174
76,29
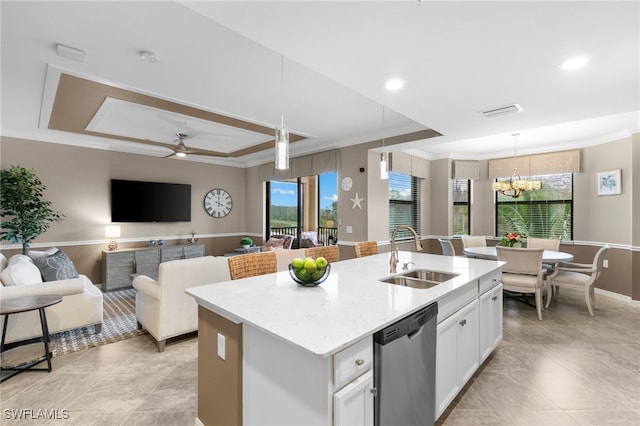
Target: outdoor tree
25,213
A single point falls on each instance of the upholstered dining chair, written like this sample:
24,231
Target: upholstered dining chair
252,264
447,247
331,253
547,244
366,248
473,241
581,275
523,272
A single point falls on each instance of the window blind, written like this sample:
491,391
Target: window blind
404,203
543,213
461,195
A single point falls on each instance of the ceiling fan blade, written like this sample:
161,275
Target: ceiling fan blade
195,151
162,144
170,155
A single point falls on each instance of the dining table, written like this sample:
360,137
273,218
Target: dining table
490,252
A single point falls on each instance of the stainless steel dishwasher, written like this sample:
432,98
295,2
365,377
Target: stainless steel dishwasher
404,371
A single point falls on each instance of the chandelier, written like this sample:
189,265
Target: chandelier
516,186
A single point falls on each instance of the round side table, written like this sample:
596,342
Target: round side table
25,304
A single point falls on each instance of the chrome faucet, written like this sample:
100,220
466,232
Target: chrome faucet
393,262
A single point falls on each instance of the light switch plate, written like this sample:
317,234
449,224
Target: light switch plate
221,346
349,229
605,263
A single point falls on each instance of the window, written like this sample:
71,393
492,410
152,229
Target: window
544,213
461,206
328,199
404,203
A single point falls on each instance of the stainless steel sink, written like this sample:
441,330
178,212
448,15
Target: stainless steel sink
429,275
419,278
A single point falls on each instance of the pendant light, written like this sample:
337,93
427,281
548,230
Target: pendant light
282,133
384,165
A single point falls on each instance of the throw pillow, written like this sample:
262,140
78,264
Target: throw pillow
56,267
34,254
20,273
311,235
273,244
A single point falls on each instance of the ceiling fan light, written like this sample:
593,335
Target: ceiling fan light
181,154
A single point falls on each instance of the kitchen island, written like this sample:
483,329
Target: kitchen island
303,355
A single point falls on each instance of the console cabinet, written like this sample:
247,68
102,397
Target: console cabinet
119,266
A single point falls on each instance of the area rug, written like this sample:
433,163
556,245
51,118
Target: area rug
118,323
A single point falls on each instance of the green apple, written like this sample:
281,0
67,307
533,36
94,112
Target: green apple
321,262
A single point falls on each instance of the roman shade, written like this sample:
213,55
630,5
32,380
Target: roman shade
466,170
308,165
535,165
408,164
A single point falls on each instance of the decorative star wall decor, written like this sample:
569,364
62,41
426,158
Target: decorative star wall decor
356,201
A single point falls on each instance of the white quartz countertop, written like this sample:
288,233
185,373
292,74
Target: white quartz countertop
350,305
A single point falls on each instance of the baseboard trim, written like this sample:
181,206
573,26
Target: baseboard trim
617,296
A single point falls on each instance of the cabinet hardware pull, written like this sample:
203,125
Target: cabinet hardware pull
494,298
463,322
374,391
359,361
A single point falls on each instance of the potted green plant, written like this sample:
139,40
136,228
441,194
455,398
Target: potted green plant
22,203
246,242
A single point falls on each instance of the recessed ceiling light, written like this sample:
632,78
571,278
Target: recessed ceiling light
574,63
394,84
149,56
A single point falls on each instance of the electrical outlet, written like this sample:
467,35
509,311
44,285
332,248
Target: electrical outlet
605,263
221,346
349,229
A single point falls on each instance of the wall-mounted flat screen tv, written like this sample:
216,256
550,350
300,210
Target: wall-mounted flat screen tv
136,201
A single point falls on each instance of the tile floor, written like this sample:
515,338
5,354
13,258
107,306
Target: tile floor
569,369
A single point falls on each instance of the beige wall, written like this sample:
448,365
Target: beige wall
78,185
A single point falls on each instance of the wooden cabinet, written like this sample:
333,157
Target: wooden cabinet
118,266
457,355
490,321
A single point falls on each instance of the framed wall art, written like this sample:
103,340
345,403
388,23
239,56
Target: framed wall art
610,182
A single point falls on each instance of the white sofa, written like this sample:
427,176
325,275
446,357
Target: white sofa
81,304
162,306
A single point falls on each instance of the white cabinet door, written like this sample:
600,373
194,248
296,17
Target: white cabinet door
490,321
457,356
447,385
468,342
353,404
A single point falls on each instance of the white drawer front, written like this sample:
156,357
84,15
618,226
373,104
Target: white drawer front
489,281
352,362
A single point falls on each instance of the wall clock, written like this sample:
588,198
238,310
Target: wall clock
218,202
346,183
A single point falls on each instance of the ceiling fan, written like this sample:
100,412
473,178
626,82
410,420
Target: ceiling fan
181,150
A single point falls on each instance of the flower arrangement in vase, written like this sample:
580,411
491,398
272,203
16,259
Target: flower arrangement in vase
512,239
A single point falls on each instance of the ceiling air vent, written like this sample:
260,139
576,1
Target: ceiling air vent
508,109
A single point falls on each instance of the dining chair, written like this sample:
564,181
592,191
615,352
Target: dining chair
366,248
331,253
252,264
523,272
581,275
447,247
547,244
473,241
